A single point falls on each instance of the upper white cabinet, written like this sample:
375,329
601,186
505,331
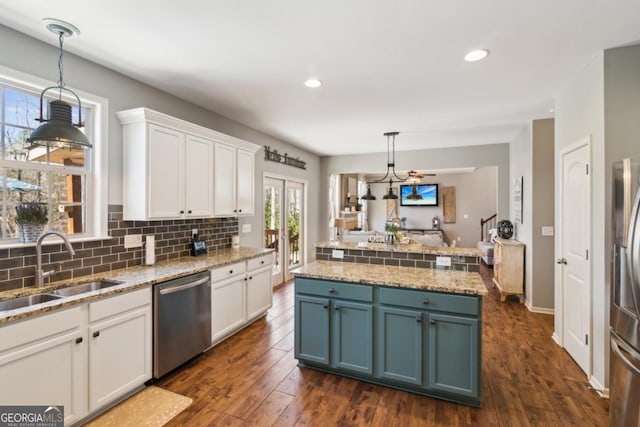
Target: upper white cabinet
233,181
174,169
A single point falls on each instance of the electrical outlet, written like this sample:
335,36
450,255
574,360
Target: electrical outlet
133,241
246,228
547,230
443,261
465,216
194,232
337,253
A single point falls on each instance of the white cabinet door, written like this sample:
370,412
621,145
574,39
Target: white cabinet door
43,362
245,182
224,181
259,292
119,355
227,307
166,173
198,177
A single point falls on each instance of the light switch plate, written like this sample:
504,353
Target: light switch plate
246,228
547,230
443,261
133,241
337,253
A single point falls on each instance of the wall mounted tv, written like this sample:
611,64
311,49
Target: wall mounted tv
429,193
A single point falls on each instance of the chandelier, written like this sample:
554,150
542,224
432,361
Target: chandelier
391,171
58,130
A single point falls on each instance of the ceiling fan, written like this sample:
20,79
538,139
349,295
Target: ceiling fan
414,178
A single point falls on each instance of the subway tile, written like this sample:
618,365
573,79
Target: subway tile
399,255
102,268
377,261
392,262
407,263
415,256
11,263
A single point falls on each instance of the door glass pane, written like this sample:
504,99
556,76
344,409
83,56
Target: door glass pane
294,224
272,203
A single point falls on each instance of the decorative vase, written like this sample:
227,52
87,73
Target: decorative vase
30,232
390,238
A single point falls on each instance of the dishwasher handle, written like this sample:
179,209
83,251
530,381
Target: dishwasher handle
181,288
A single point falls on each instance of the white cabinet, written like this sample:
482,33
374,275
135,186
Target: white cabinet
174,169
240,293
259,289
84,357
120,345
228,297
167,174
233,181
43,361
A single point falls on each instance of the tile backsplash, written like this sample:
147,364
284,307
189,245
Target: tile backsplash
173,237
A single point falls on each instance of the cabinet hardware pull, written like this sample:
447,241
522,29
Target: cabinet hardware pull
325,305
240,210
230,271
250,277
261,262
78,340
331,290
245,279
418,319
181,212
189,211
96,334
433,322
235,210
425,301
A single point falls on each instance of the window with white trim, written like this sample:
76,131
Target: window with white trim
61,179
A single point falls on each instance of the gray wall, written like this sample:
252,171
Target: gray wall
31,56
579,114
441,158
542,214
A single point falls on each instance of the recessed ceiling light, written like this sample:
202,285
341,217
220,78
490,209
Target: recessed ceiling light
312,83
476,55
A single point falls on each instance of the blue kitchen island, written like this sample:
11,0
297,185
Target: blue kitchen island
414,329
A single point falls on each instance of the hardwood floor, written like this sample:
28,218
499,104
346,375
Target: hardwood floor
252,379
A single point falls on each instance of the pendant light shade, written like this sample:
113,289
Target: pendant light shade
369,195
58,130
414,193
390,194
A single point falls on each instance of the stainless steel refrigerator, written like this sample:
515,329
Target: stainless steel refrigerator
624,372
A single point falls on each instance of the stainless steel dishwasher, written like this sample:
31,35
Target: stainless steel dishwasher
181,321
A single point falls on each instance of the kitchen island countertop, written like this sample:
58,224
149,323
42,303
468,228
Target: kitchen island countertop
410,248
457,282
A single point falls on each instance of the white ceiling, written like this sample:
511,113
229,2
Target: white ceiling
386,65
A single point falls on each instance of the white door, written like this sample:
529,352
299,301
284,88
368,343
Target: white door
273,217
574,257
294,215
284,220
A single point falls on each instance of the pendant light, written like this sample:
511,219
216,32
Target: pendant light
391,170
58,130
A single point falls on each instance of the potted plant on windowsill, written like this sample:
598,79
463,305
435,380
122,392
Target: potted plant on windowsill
31,217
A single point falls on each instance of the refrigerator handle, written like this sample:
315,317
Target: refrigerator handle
626,198
619,351
633,252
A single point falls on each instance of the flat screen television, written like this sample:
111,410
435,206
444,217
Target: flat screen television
429,193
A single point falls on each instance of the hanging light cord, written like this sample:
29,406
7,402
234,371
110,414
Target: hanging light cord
391,161
60,63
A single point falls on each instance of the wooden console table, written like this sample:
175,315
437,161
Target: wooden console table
508,268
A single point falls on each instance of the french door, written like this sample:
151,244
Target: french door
284,222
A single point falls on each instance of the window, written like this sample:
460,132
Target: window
70,182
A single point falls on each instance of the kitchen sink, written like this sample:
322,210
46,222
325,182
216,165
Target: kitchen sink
26,301
85,287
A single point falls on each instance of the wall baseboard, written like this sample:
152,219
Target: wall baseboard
540,310
556,338
598,388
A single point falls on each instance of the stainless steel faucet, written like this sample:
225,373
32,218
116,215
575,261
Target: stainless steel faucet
41,275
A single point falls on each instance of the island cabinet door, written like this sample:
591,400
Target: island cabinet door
353,336
399,350
312,329
454,351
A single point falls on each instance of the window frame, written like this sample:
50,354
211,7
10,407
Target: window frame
97,176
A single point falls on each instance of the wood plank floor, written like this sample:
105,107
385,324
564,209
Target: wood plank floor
252,379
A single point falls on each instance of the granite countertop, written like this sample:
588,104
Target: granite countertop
457,282
415,248
131,278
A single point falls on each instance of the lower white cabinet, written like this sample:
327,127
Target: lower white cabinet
43,361
120,346
83,357
240,293
227,306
